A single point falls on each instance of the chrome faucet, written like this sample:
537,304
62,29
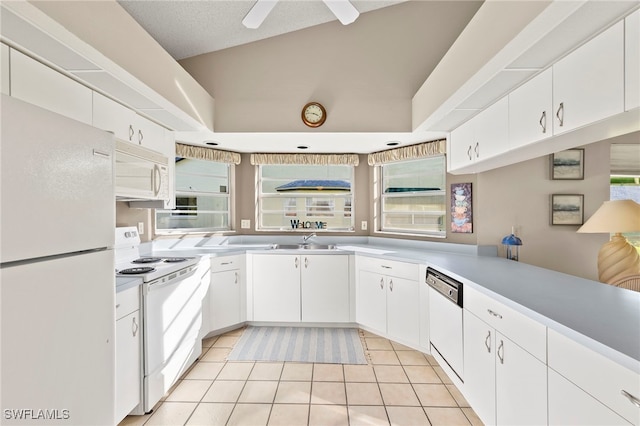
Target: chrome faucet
305,238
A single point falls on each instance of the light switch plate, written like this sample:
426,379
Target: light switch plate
363,225
141,228
245,224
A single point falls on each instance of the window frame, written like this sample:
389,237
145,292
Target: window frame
308,195
381,198
191,214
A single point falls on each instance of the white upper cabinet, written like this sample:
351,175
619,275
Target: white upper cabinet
40,85
482,137
530,111
148,134
588,84
113,117
632,61
4,71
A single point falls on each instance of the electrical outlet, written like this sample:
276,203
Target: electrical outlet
245,224
363,225
141,228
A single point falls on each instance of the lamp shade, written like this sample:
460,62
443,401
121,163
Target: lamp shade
614,216
511,240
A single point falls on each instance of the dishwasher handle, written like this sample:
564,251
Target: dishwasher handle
446,286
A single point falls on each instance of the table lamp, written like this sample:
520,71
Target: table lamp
617,258
512,243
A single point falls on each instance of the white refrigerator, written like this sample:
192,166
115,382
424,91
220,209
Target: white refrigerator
57,289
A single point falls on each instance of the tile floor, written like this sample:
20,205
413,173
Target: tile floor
399,386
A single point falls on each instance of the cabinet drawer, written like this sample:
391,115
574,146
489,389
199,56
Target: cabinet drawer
527,333
597,375
127,301
391,268
226,263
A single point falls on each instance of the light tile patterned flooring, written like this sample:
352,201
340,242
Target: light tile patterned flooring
399,386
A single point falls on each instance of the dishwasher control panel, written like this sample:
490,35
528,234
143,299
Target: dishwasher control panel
445,285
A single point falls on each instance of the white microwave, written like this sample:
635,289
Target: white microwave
141,174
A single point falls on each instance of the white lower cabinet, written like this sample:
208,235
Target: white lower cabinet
390,304
294,288
570,405
226,292
604,380
504,383
128,352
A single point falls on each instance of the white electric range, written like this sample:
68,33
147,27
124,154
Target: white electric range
172,294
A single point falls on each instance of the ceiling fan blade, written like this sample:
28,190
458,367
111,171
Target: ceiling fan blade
343,9
258,13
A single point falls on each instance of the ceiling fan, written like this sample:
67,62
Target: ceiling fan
343,9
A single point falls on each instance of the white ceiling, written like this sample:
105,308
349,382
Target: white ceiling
188,28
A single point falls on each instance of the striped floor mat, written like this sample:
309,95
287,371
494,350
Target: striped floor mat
301,344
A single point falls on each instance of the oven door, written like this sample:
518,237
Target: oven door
172,322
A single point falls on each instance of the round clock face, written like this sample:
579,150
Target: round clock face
313,114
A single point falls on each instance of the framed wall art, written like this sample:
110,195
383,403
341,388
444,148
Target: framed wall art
567,209
461,211
568,165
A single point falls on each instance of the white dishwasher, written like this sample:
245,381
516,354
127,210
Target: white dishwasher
445,318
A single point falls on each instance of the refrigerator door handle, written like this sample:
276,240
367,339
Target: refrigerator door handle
102,154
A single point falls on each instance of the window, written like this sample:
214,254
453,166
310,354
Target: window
413,196
202,198
625,179
305,197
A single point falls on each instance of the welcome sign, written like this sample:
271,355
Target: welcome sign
299,224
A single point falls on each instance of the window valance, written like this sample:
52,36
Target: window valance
204,153
306,159
411,152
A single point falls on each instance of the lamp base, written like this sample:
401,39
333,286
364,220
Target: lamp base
616,259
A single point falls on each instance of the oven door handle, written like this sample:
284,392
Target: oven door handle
153,286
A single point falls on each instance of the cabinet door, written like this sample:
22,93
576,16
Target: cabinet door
36,83
479,367
325,288
530,111
403,310
276,288
632,61
224,295
128,372
4,71
371,306
521,385
588,84
492,130
570,405
111,116
148,134
461,144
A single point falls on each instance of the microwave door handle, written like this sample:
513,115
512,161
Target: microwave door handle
157,180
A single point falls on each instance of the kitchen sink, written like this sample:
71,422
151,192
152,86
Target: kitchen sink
304,246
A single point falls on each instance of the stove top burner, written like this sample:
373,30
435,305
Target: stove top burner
174,259
147,260
138,270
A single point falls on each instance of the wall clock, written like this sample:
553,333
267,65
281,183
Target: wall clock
313,114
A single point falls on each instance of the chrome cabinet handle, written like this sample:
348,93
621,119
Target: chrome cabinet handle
391,285
543,121
296,262
477,149
381,283
236,281
226,263
306,262
140,137
560,113
635,401
469,152
134,327
117,306
501,349
495,314
487,341
386,267
131,133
